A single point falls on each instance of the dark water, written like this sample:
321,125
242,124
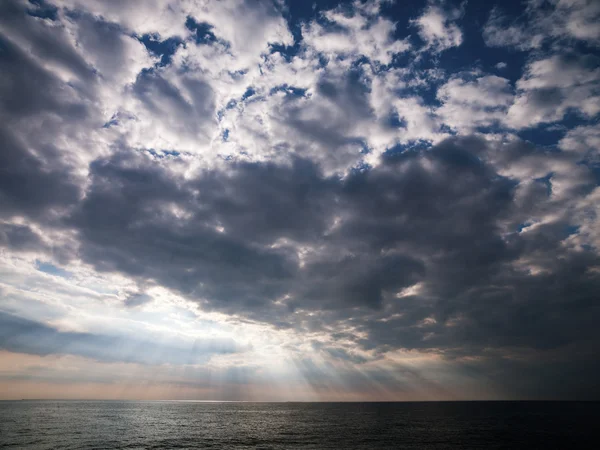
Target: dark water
154,425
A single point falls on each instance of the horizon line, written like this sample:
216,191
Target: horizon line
292,401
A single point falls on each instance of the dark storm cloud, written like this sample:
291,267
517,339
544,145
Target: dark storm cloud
34,174
358,280
438,218
26,336
503,310
126,218
265,202
27,88
19,237
29,184
104,40
46,40
472,288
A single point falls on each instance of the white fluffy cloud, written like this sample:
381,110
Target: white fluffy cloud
437,28
550,87
476,102
363,33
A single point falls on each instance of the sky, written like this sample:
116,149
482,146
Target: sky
279,200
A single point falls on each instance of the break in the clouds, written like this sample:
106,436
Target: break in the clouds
278,200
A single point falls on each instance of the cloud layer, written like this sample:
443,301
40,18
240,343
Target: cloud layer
360,200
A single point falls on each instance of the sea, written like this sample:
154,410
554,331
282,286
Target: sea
192,425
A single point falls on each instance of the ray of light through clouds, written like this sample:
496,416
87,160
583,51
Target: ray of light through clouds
280,200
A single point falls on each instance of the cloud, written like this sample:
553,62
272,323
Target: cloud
115,55
557,79
362,33
474,102
50,43
24,336
553,86
134,300
273,241
544,21
584,140
19,237
497,33
31,186
437,28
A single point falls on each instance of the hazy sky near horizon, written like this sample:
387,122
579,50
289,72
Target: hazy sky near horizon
287,200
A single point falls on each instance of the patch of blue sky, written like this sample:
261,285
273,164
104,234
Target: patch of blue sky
292,91
113,122
249,93
230,105
361,167
42,10
548,134
297,12
446,129
165,49
287,51
51,269
474,54
412,146
493,128
117,118
163,153
238,74
203,33
523,226
395,121
571,230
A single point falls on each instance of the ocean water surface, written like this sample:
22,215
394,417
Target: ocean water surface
427,425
